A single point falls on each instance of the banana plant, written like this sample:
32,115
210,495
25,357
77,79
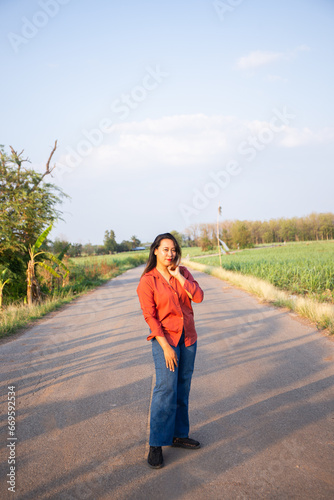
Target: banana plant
60,257
3,281
33,289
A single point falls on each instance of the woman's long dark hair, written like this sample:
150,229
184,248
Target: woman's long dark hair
152,259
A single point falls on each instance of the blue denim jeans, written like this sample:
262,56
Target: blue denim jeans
169,407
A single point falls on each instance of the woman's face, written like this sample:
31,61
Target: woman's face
165,253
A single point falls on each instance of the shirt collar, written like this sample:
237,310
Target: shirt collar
155,272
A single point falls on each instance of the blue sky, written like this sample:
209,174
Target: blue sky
164,110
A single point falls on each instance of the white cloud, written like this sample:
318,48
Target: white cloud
294,137
184,140
259,58
185,144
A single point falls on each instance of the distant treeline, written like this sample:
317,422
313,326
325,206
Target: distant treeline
110,246
246,234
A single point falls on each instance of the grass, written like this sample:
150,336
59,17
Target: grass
305,269
298,277
86,273
196,251
16,316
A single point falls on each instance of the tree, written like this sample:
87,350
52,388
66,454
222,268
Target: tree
100,250
109,241
326,222
186,241
88,249
192,235
177,236
60,245
75,250
287,230
274,228
241,235
135,241
206,243
125,246
207,239
33,290
49,279
28,204
255,228
311,227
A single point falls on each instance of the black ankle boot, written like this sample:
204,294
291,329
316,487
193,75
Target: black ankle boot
155,458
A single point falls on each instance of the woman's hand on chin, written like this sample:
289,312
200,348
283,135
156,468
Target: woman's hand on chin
174,271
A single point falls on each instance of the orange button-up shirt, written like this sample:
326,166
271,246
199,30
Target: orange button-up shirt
167,307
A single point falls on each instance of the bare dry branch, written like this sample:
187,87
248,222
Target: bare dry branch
17,156
48,162
48,170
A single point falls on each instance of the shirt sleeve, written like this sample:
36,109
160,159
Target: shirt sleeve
148,306
191,286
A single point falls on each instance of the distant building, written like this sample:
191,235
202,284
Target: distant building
140,248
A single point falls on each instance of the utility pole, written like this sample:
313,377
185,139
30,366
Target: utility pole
218,242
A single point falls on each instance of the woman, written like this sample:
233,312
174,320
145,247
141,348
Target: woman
165,293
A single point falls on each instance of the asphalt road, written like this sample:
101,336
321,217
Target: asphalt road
262,403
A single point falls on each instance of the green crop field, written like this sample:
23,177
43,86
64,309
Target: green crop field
136,256
196,251
301,268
